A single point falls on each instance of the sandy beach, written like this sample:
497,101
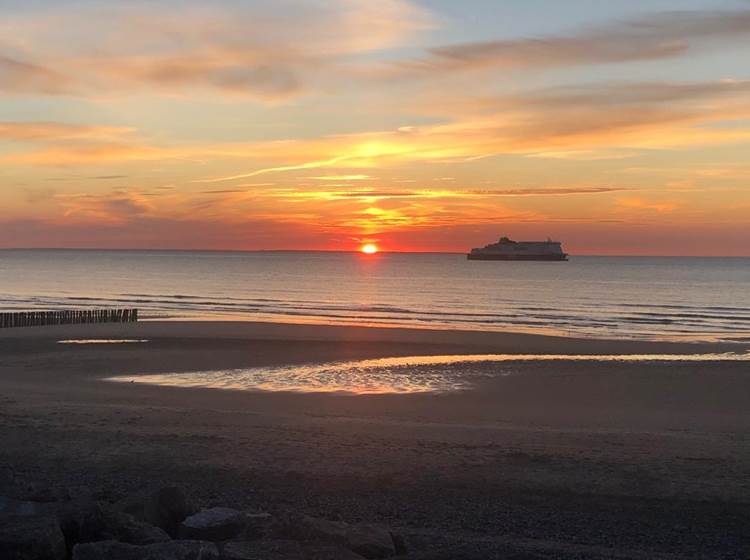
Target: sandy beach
636,459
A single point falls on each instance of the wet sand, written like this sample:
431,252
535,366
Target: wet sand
631,458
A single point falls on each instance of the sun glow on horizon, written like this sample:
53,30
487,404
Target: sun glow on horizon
369,248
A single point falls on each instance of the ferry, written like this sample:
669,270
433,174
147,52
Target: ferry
508,250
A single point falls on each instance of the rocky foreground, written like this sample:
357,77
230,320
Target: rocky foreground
39,523
165,524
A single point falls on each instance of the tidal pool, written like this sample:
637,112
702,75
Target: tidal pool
415,374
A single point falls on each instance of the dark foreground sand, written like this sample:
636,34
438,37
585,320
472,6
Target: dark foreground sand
646,460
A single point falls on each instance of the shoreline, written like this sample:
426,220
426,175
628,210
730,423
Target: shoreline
459,341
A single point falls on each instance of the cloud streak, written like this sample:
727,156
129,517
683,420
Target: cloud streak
599,122
385,194
17,76
53,131
663,35
261,51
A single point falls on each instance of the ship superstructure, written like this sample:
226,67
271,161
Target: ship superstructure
508,250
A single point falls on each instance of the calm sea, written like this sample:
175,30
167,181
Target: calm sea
623,297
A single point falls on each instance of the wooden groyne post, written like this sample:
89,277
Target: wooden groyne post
66,317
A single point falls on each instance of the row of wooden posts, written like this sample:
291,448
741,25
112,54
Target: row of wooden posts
66,317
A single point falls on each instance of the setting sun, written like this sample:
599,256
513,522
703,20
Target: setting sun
369,248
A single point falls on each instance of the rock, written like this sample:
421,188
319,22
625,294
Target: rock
68,514
166,508
368,540
126,528
74,517
172,550
262,550
213,524
88,521
105,523
31,538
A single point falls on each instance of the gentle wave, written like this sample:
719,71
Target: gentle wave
227,304
599,297
678,323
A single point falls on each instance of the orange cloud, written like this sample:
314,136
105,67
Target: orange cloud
642,204
117,207
342,178
387,194
399,219
52,131
257,51
547,124
570,123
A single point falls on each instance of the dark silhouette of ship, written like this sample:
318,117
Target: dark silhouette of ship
509,250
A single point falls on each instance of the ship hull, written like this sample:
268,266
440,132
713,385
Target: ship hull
500,257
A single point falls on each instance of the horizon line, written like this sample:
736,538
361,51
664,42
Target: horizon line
354,251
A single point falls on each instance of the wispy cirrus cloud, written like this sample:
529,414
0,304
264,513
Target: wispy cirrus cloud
658,36
357,177
17,76
56,144
267,51
387,194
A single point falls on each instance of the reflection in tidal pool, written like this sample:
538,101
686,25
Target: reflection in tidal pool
415,374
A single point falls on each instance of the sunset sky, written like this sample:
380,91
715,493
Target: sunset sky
618,127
